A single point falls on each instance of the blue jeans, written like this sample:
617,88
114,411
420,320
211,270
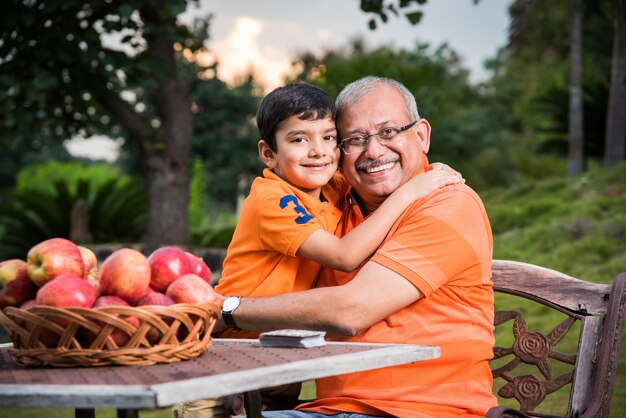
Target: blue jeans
300,414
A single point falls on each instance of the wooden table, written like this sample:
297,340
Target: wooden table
228,367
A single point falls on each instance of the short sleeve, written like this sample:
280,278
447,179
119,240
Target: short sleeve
284,222
446,239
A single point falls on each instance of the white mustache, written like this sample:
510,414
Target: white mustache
368,164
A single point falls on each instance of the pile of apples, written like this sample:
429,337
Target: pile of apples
60,273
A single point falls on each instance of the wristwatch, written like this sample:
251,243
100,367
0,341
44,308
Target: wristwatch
228,309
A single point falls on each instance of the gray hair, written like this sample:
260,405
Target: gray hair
355,91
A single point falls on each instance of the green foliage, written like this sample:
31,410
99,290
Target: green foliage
209,226
44,176
536,166
596,197
216,233
41,207
61,80
198,201
16,155
577,225
225,138
382,9
117,211
532,75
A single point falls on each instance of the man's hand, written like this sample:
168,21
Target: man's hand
219,324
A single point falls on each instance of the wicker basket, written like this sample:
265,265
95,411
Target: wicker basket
108,335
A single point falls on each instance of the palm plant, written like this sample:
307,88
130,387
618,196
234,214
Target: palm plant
116,208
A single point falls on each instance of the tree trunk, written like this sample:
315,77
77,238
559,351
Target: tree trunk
167,155
167,170
615,141
575,158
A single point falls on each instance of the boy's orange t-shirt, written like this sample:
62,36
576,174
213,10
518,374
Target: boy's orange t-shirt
276,218
443,245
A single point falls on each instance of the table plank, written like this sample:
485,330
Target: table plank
229,366
242,381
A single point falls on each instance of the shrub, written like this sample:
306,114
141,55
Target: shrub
217,234
40,208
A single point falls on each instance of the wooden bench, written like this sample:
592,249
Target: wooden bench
593,312
532,367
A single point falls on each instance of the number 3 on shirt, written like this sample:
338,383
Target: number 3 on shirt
304,215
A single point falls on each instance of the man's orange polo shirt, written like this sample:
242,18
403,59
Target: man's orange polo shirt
275,220
442,244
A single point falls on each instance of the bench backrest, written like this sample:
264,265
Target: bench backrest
533,365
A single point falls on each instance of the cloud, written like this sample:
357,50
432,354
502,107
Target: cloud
241,54
324,35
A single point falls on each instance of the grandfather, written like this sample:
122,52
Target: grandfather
428,283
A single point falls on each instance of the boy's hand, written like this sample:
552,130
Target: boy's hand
442,166
437,176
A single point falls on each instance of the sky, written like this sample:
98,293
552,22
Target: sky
263,36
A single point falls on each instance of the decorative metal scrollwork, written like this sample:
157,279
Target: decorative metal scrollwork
536,349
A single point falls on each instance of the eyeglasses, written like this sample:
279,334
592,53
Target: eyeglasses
358,143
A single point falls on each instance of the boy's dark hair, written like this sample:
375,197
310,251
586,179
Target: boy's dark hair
305,101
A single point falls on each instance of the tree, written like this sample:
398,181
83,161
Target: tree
591,88
541,71
61,74
382,8
576,156
615,143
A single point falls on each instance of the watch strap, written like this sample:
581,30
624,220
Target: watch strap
229,319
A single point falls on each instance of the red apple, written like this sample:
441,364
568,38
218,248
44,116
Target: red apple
167,264
94,282
125,273
16,287
156,298
152,297
199,267
90,262
119,336
53,257
191,288
28,304
66,291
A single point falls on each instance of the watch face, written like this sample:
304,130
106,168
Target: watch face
230,304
